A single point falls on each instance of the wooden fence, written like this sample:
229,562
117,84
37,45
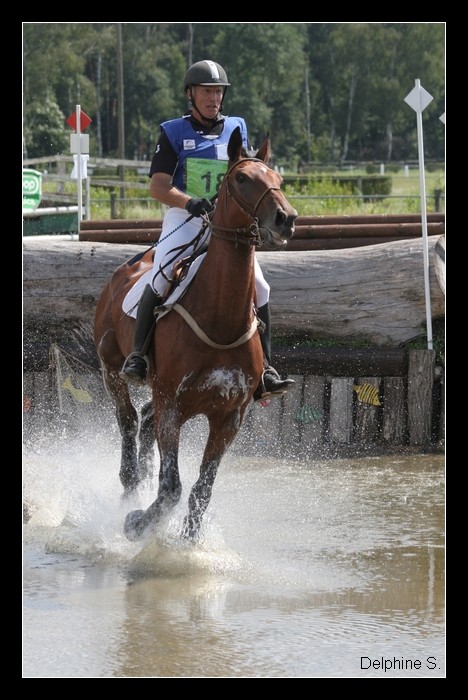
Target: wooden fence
311,232
321,414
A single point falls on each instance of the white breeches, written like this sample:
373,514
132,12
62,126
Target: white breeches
165,256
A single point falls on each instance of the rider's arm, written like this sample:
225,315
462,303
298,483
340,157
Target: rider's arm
162,189
162,168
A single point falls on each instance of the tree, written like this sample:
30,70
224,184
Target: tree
45,132
324,91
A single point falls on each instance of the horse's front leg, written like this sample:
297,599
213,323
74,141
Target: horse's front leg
170,488
199,498
222,433
146,440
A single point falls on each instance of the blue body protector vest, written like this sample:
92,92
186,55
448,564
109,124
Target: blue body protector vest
202,160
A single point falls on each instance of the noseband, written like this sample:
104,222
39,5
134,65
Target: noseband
250,235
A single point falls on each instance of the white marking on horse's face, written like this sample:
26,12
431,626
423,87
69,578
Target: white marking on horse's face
229,382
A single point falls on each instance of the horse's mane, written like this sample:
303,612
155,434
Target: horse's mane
248,152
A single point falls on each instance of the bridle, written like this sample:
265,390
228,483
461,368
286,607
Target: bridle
249,235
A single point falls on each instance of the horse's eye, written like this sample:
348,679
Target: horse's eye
240,178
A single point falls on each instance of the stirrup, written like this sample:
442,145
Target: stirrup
135,369
261,392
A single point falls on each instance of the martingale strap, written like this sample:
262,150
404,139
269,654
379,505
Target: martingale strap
202,335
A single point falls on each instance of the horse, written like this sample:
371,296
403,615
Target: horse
206,356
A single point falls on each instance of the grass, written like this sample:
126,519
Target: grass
330,198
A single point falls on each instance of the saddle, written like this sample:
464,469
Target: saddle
180,271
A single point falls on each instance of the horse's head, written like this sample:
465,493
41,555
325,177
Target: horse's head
253,198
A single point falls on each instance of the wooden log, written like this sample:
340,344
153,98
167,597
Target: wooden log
307,237
340,362
368,218
395,230
316,244
310,220
373,294
439,262
122,235
115,224
298,243
312,232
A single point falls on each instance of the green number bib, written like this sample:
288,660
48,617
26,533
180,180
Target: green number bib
203,176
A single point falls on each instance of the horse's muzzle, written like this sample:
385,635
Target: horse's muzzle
285,223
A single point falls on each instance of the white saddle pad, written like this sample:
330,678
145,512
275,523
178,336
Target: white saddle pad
130,302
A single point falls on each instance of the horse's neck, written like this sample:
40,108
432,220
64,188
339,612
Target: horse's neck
227,279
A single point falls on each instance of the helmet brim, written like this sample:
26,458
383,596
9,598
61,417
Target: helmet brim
209,84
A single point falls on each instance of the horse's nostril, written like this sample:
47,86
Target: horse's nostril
281,218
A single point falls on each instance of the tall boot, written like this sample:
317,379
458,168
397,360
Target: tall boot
271,383
136,365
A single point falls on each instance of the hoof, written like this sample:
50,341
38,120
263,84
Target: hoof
134,526
189,534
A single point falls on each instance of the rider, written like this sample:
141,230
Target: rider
179,180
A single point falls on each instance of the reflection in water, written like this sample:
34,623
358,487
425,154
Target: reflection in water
303,568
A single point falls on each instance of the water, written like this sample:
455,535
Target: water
314,569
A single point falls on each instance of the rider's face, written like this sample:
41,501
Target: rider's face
207,99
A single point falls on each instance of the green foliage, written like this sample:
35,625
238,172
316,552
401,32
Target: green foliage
45,131
438,340
376,185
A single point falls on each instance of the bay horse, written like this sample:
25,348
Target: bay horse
207,358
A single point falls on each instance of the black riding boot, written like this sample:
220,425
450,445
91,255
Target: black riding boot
136,365
271,383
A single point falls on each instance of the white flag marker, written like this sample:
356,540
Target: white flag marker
418,99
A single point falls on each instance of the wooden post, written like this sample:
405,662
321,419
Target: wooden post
366,415
421,365
312,414
290,426
341,410
394,411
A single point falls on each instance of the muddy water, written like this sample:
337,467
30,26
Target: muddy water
314,569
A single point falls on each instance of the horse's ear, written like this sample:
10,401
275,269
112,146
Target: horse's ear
235,145
264,152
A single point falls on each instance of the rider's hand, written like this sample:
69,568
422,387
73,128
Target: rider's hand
198,206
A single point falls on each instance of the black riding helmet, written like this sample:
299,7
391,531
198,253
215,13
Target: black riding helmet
206,73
